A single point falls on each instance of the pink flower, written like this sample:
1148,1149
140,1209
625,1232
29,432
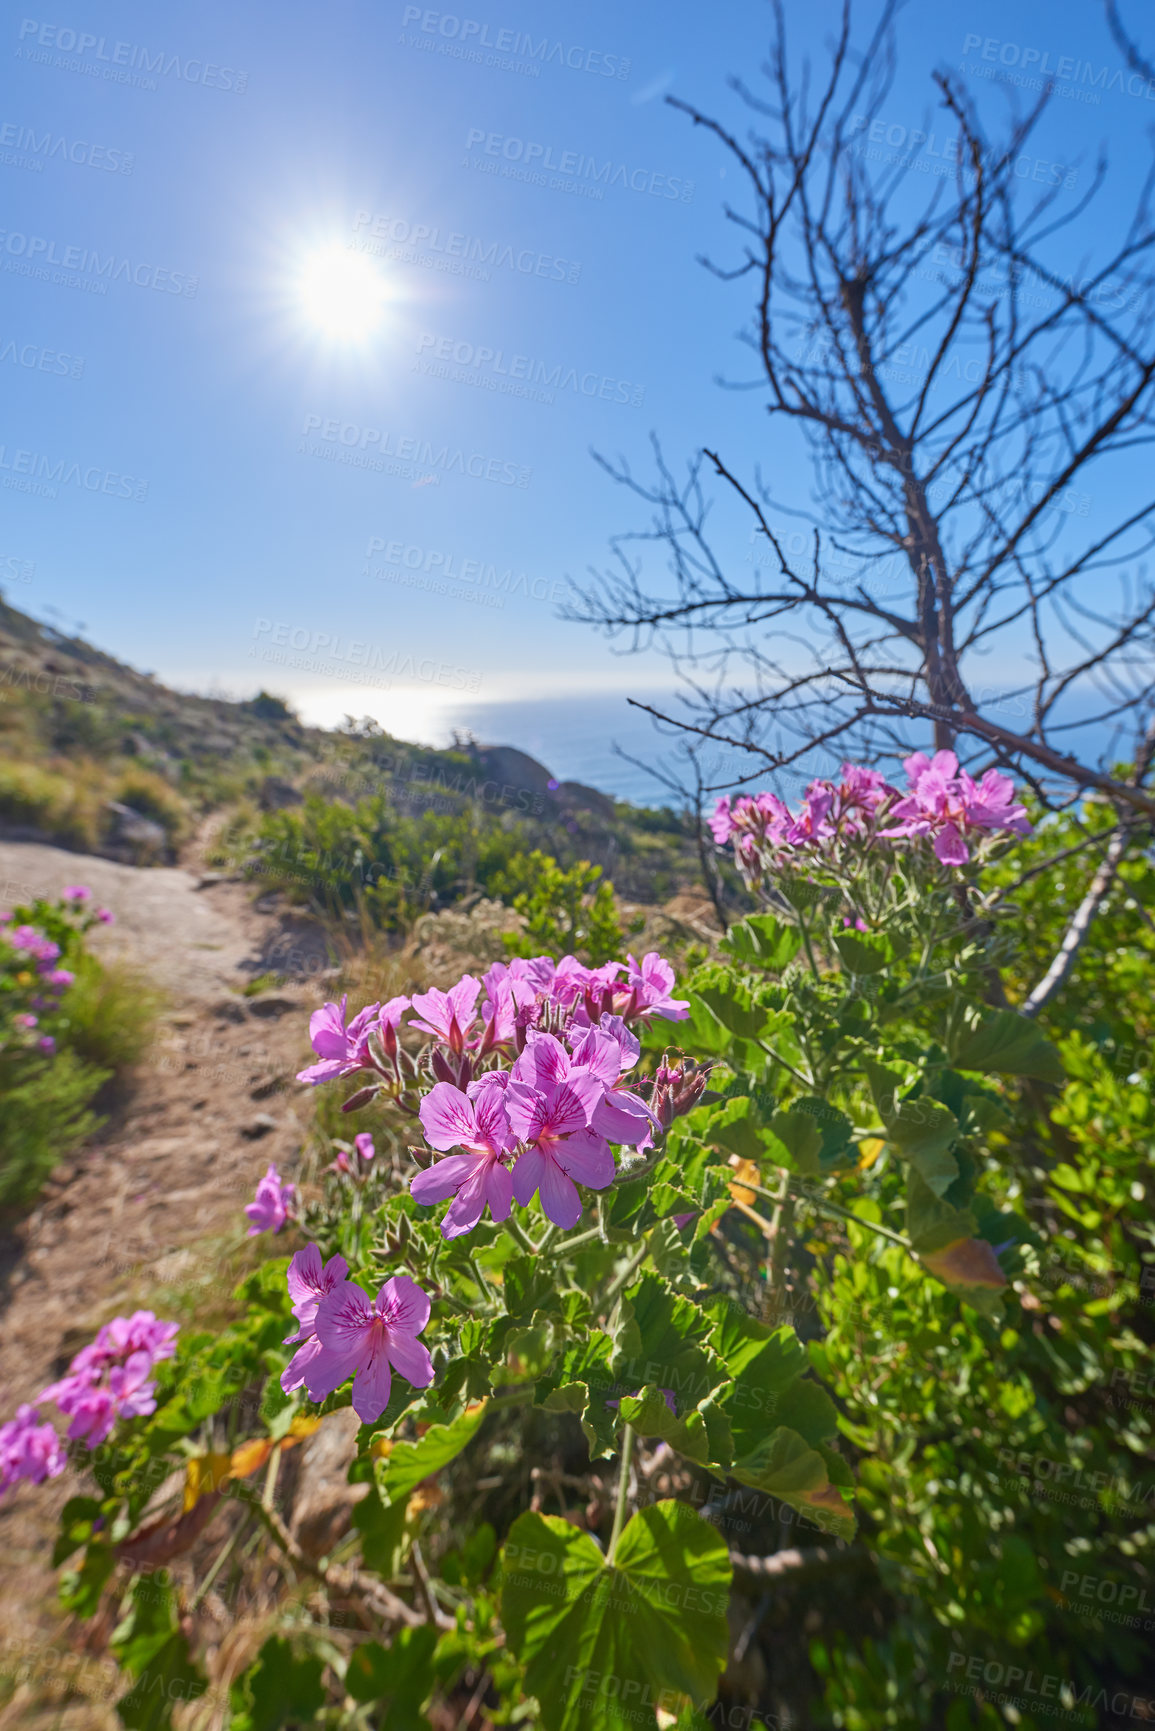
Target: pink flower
345,1050
29,1450
945,802
478,1178
608,1051
110,1379
59,978
448,1015
33,943
26,1020
364,1145
76,893
46,1044
104,915
554,1123
309,1281
650,982
269,1208
367,1339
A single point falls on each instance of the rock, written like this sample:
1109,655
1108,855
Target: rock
276,794
271,1005
229,1010
134,836
576,793
257,1127
324,1499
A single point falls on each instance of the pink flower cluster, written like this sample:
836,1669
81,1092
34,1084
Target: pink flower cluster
343,1333
108,1380
945,802
534,1129
521,996
942,802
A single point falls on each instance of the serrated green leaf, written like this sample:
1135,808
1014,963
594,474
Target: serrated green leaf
596,1640
410,1462
282,1688
931,1223
763,941
921,1131
864,952
1002,1043
399,1676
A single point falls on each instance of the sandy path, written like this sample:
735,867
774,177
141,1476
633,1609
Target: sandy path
212,1103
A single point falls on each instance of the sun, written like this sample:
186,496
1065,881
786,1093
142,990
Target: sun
342,293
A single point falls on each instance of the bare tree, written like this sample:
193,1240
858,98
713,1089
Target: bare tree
969,389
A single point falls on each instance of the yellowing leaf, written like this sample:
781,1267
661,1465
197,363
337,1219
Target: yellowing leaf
380,1448
868,1151
966,1262
250,1456
304,1425
744,1169
204,1474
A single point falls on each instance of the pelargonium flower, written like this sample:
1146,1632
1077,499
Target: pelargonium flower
269,1208
46,1044
33,943
105,916
554,1124
367,1339
76,893
608,1051
477,1178
345,1050
110,1379
29,1449
651,981
59,978
309,1280
947,803
364,1145
448,1016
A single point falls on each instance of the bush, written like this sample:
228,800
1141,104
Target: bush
570,910
65,809
44,1115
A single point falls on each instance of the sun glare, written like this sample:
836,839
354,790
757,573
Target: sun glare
342,293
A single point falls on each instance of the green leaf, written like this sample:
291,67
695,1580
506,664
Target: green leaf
280,1689
582,1383
701,1032
168,1678
864,952
600,1643
77,1519
763,941
800,1138
1002,1043
400,1674
784,1465
650,1416
734,1126
153,1650
921,1131
931,1223
382,1529
410,1462
661,1338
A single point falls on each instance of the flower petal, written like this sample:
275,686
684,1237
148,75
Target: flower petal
404,1303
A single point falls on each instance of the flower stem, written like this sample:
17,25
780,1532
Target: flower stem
624,1278
519,1235
623,1493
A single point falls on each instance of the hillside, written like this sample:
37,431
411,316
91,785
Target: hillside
100,758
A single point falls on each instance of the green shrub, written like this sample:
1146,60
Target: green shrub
65,808
110,1014
45,1115
565,911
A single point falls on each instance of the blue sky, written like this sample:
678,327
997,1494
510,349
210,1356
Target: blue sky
254,494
